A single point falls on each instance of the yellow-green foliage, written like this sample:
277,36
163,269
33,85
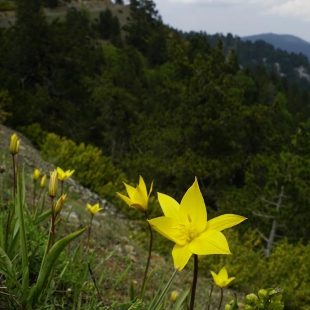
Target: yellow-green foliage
92,169
287,267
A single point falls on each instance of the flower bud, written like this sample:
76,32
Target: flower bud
262,294
261,305
36,175
174,295
60,203
248,307
52,191
14,146
43,181
251,299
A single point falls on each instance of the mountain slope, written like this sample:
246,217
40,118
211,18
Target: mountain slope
285,42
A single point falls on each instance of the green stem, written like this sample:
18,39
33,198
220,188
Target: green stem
90,225
34,198
221,299
14,177
211,290
52,230
194,284
36,206
149,256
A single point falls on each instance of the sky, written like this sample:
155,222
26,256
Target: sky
238,17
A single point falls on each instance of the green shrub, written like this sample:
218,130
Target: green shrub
92,169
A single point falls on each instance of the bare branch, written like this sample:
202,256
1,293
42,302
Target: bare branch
263,215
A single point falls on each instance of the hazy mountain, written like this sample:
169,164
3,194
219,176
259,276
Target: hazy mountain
285,42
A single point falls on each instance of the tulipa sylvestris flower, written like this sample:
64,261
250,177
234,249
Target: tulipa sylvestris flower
138,198
186,224
94,209
36,175
60,203
53,186
14,145
221,280
43,181
63,175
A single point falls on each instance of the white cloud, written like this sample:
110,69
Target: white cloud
292,8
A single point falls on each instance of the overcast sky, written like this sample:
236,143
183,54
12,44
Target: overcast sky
239,17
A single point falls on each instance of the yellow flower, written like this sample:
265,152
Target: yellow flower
221,280
94,209
186,224
36,175
138,197
52,190
43,181
60,203
14,146
63,175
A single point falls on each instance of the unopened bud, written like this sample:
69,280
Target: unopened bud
36,175
14,145
43,181
251,299
174,295
262,294
60,203
52,191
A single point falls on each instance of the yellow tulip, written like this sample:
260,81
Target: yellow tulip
221,279
53,186
63,175
14,146
60,203
43,181
36,175
138,198
94,209
186,224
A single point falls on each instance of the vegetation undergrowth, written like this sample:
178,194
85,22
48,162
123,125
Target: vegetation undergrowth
44,265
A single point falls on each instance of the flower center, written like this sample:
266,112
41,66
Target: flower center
188,232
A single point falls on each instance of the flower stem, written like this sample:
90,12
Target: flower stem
149,257
34,198
211,290
221,299
195,277
52,231
89,230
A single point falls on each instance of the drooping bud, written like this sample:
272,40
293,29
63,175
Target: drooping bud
52,191
60,203
14,146
36,175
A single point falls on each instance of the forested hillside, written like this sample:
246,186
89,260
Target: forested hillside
166,106
292,67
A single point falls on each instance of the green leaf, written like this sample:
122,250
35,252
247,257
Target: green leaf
180,300
43,216
48,264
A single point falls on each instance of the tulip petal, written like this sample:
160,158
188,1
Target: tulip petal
224,221
140,198
193,209
169,206
209,242
130,191
125,198
229,280
215,278
169,228
181,254
223,275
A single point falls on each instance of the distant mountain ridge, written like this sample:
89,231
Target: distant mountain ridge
289,43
